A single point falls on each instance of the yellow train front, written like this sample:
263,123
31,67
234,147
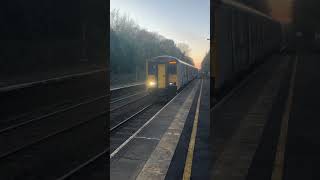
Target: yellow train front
166,75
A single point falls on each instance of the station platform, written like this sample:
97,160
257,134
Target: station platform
302,145
249,126
173,143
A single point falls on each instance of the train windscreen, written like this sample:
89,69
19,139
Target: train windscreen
151,68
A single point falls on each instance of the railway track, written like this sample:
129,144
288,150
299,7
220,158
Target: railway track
127,123
66,145
125,95
121,131
127,101
95,166
129,110
122,127
33,138
129,107
115,100
30,100
20,136
56,107
125,126
126,90
118,124
48,111
46,140
62,106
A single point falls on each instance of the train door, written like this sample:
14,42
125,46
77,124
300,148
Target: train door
161,75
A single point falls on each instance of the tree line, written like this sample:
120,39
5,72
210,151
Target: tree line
131,45
205,64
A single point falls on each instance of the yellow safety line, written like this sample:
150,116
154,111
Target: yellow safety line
188,163
277,173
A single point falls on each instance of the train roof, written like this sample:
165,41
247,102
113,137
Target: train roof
166,58
245,8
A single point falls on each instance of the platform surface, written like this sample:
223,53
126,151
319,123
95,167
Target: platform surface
201,158
302,151
245,128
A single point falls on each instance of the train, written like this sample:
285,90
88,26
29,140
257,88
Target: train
166,75
243,38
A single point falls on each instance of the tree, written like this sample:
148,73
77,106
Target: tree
185,49
205,64
189,60
131,46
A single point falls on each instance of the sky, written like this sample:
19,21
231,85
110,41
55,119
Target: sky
281,10
184,21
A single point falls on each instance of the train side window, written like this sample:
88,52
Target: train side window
152,69
172,68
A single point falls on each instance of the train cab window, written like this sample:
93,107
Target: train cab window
172,68
152,69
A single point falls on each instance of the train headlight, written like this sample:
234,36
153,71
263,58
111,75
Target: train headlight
152,84
172,83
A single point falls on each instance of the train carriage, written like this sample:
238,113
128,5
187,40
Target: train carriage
243,37
167,74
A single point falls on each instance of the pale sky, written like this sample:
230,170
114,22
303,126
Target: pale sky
186,21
